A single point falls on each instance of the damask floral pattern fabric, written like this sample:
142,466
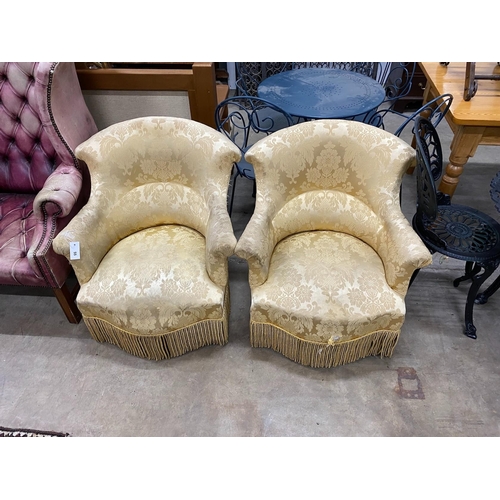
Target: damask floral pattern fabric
327,286
330,254
153,282
152,171
155,235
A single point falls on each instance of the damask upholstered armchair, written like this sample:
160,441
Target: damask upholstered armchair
43,117
155,236
330,254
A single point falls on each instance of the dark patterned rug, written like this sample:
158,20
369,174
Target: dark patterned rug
6,432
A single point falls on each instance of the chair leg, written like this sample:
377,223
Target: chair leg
66,299
413,276
482,298
232,194
469,273
477,281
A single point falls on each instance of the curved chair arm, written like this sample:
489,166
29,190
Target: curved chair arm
53,207
59,193
220,244
402,252
89,228
256,245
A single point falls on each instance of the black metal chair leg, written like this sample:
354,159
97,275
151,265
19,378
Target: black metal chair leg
482,298
477,281
413,276
232,194
469,273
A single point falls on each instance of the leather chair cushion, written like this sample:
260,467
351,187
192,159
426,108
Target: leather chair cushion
328,287
153,282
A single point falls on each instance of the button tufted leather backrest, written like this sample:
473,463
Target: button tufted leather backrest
27,155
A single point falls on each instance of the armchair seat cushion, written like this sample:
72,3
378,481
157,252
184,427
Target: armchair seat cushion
326,287
149,285
17,224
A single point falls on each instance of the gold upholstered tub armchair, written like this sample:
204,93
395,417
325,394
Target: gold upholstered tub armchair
330,253
155,236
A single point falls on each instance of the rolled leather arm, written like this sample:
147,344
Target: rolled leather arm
59,193
52,207
220,244
256,245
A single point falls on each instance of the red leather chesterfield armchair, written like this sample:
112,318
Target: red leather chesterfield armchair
43,117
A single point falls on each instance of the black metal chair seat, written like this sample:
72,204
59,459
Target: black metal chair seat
453,230
461,232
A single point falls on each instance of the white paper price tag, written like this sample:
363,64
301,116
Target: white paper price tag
74,250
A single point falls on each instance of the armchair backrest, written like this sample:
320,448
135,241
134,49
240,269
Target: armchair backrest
157,170
43,117
329,174
340,155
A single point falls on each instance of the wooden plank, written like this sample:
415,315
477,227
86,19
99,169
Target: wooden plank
198,80
205,93
136,79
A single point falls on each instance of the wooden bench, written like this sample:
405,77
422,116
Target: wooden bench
197,79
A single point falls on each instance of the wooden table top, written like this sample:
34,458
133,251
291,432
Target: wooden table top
484,108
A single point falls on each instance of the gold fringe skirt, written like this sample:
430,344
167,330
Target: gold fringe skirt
164,345
319,355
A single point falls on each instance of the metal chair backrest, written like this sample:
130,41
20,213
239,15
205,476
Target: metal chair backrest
243,118
397,80
429,167
438,108
434,111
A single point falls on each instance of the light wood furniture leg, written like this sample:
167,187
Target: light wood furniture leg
463,146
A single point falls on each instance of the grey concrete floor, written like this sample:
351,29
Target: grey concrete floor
53,376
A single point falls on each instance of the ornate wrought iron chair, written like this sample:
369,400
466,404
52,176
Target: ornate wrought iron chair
434,111
43,118
244,120
330,253
155,236
397,80
453,230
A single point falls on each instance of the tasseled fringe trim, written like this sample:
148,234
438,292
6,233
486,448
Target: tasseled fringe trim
163,346
320,355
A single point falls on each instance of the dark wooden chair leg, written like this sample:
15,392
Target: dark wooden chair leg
66,299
